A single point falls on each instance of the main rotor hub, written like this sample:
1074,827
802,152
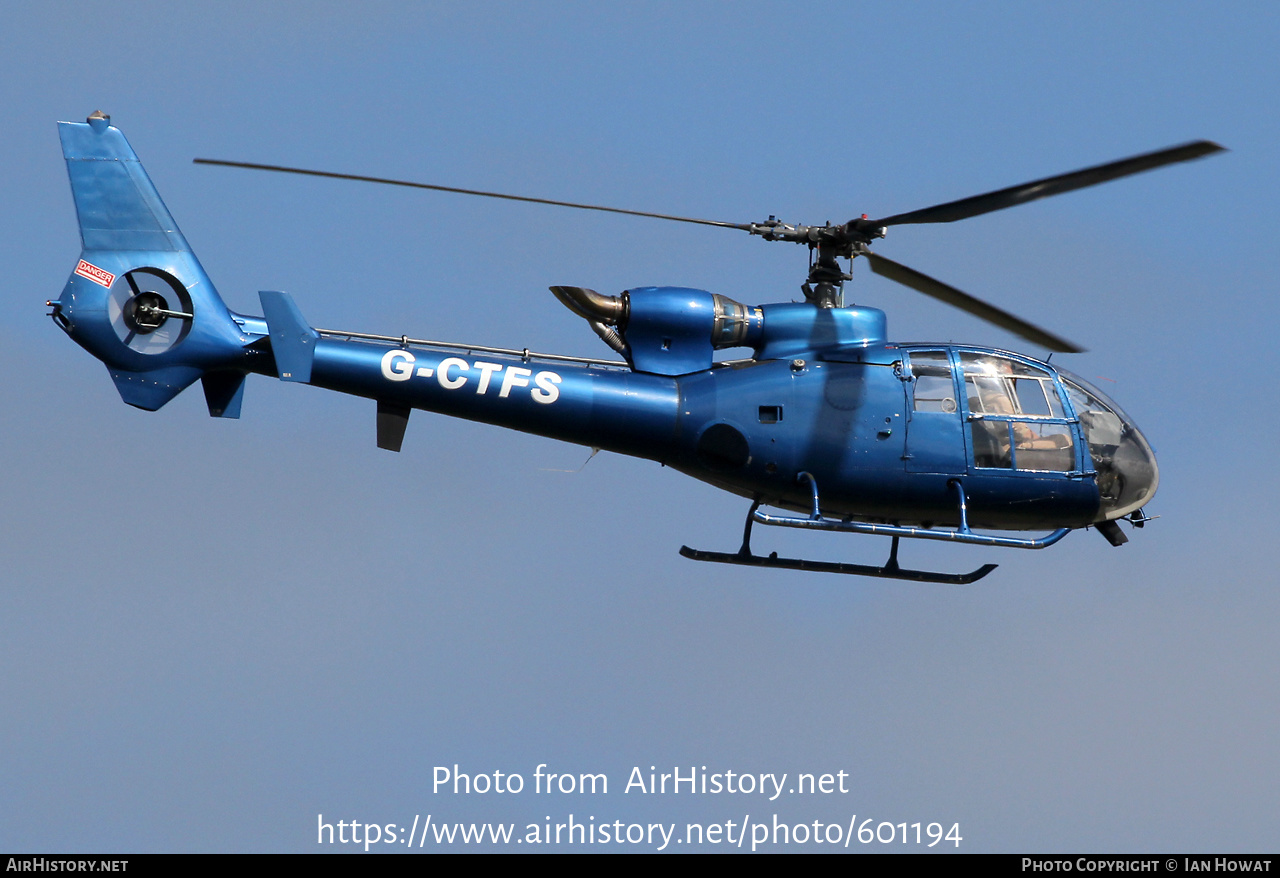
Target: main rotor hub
827,244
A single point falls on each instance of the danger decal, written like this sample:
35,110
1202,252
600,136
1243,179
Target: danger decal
95,274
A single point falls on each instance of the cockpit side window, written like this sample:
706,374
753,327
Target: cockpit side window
1000,386
1006,397
934,389
1037,397
988,395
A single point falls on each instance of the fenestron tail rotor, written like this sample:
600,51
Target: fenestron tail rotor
149,310
830,243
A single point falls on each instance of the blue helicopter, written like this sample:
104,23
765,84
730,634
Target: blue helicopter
825,426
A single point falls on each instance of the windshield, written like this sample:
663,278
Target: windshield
1125,463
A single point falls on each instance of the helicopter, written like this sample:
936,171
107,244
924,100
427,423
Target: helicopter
826,425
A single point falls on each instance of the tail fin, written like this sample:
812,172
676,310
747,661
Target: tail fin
138,299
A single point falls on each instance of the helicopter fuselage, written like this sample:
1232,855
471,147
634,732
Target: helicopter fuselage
824,415
855,419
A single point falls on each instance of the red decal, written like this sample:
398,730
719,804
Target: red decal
95,274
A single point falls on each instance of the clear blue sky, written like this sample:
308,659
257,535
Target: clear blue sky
214,631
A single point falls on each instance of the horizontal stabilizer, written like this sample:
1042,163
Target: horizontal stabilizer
151,390
293,341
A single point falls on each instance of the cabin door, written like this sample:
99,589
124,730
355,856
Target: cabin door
935,440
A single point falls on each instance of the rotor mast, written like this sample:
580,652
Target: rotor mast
824,286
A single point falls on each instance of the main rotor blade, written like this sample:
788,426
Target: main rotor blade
965,302
1000,199
666,216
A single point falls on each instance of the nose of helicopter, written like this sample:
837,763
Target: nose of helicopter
1127,473
1126,466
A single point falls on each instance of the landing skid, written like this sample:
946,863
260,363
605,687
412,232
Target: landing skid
890,570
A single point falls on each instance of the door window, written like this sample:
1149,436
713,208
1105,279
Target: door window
934,389
1017,421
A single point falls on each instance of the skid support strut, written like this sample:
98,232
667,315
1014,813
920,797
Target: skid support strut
891,568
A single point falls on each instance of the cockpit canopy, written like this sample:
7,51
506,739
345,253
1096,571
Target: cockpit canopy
1126,465
1019,421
